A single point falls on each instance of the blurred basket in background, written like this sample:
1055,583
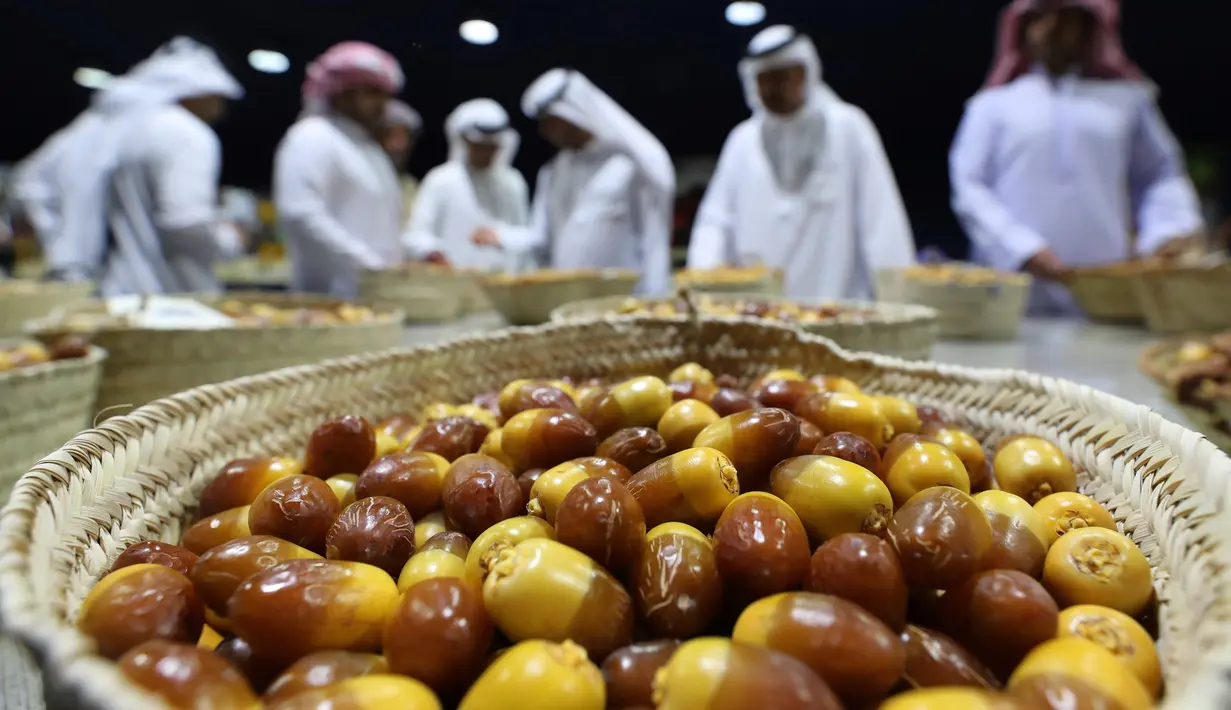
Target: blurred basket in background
743,280
1110,293
41,407
22,300
530,298
264,271
972,303
1186,299
1196,378
144,364
425,293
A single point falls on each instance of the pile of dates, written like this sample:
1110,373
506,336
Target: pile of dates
679,543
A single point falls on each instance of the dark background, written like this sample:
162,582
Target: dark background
909,63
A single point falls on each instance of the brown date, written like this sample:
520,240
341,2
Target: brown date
222,569
259,672
439,634
629,672
738,676
810,436
935,660
929,414
600,467
701,391
187,677
640,401
69,347
322,669
378,531
520,396
600,518
854,652
451,437
341,445
865,570
454,543
675,583
727,401
526,480
542,438
397,426
489,401
634,448
140,603
783,394
413,478
158,553
1000,615
299,509
851,447
693,487
1053,691
941,536
727,380
682,421
303,606
240,481
755,441
841,411
760,546
217,529
479,492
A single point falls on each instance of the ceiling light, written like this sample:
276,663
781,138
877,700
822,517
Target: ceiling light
92,78
268,61
479,32
745,13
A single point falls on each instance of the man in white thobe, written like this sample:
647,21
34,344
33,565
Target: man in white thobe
476,188
335,190
1064,153
803,185
167,231
403,125
605,200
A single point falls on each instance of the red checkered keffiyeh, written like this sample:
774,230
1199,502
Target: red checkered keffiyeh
1107,59
348,65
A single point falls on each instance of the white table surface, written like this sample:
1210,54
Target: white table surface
1103,357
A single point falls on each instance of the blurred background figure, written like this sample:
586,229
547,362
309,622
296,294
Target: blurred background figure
403,126
1064,155
605,199
166,229
335,189
477,188
804,185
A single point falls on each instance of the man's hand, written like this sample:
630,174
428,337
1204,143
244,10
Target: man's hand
1047,266
486,237
438,258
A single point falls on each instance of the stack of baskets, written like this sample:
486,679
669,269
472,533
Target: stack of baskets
22,300
900,330
972,303
144,364
138,477
529,299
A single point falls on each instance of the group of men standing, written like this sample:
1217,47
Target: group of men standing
1060,158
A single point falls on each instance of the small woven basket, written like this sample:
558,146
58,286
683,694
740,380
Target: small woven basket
1186,299
424,296
766,283
900,330
21,301
254,273
967,311
1109,293
530,301
138,477
144,364
43,406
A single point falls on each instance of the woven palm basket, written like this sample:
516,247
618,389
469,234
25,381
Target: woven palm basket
530,300
1109,293
763,281
144,364
1155,361
22,300
424,296
138,477
41,407
967,311
1186,299
905,331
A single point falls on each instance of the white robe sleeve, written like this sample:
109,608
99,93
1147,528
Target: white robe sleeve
712,242
186,165
881,224
421,236
1007,243
301,182
534,235
1166,201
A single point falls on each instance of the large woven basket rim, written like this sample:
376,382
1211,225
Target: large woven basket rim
381,319
881,312
59,644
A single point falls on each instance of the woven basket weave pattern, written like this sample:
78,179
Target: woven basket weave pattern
1186,299
41,407
972,311
138,477
1109,297
424,297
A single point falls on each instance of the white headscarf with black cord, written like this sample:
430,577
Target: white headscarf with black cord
795,144
496,188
